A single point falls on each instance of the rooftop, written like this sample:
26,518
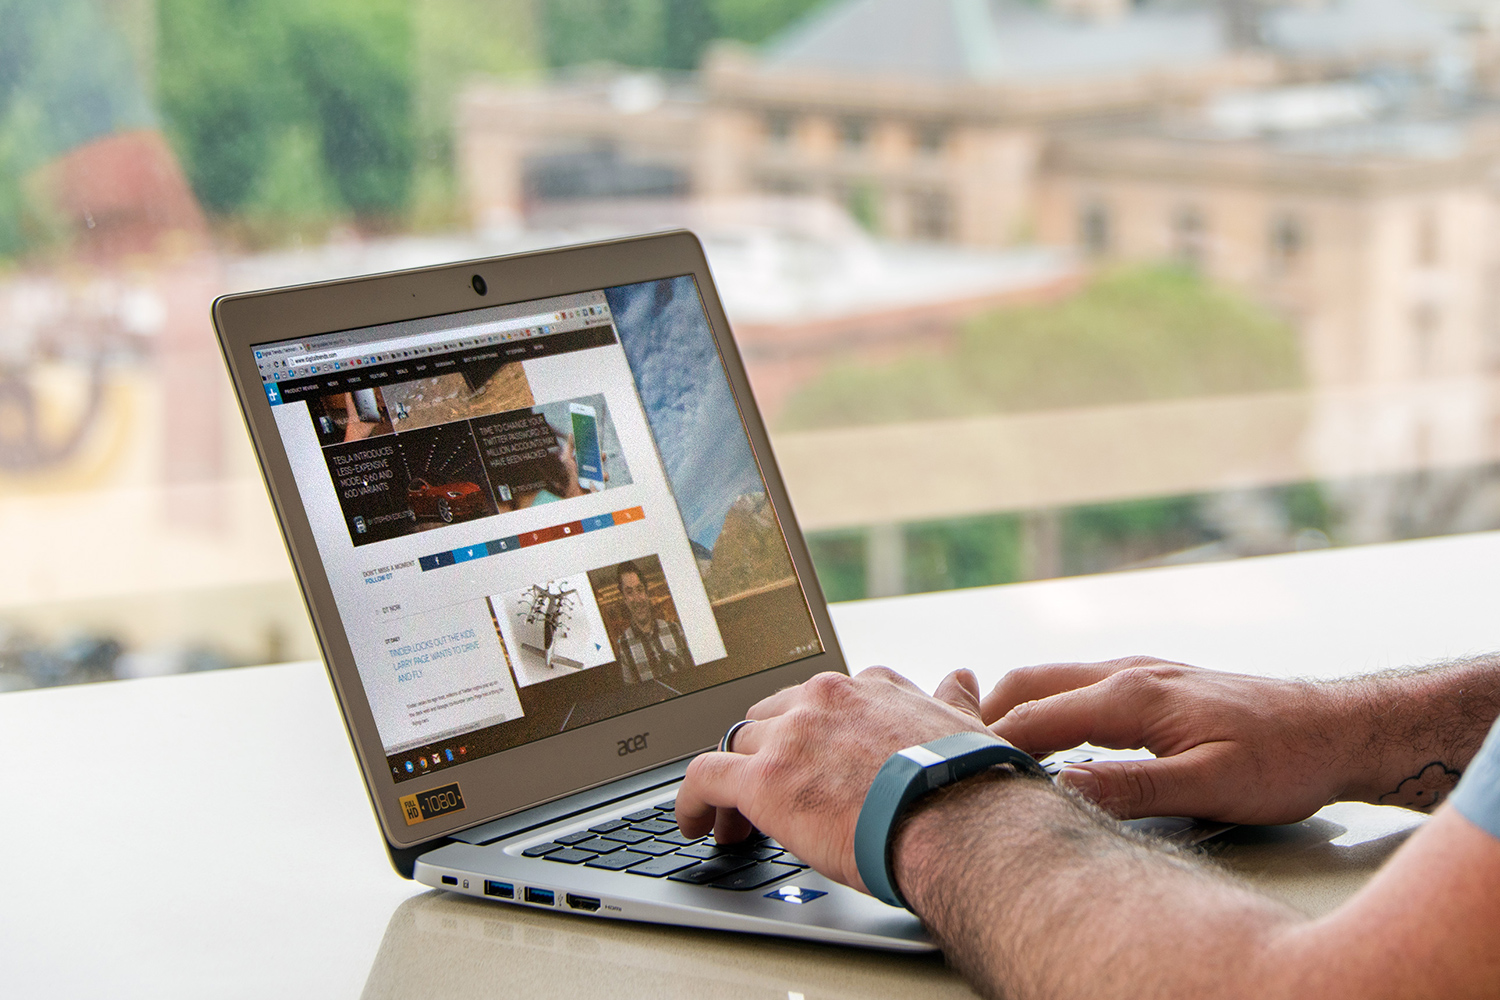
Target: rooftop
1000,41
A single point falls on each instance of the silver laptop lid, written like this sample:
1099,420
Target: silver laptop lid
534,514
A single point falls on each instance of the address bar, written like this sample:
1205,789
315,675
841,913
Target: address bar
422,339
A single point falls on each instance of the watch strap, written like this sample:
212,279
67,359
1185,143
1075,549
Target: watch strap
906,776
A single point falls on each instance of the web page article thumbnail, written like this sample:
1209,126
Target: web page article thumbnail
445,481
371,482
403,483
641,618
477,389
552,628
551,452
341,417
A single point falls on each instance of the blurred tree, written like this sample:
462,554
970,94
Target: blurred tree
669,34
457,40
353,59
243,84
755,21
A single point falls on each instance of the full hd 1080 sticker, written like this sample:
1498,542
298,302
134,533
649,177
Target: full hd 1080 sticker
423,806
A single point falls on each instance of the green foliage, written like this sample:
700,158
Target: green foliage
863,202
839,557
966,552
242,82
458,39
354,61
628,32
755,21
669,34
1132,335
1102,537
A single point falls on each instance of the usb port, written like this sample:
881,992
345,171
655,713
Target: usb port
582,903
502,889
449,880
541,897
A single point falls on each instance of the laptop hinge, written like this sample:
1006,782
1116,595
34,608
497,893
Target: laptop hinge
592,798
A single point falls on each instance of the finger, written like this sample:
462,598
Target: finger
713,782
1105,714
1041,681
775,704
749,738
961,690
1186,784
730,827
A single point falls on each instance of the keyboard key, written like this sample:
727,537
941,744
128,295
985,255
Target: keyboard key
540,849
787,859
599,845
703,851
575,838
639,815
751,851
668,806
755,876
628,836
677,838
654,847
609,826
654,826
708,871
620,859
571,856
659,867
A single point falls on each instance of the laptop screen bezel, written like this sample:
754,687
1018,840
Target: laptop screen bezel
528,775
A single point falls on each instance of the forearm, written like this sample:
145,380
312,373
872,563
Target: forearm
1411,734
1032,894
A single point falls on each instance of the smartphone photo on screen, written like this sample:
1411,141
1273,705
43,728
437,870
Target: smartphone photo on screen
586,446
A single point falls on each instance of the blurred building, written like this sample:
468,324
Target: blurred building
927,119
1334,158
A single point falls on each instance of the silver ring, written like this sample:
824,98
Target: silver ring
728,740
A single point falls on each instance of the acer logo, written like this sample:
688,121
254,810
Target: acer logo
632,744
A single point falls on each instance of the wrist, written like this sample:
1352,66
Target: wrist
909,775
941,833
1412,733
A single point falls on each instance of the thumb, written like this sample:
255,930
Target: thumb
961,690
1181,785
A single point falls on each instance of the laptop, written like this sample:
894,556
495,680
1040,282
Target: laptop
549,559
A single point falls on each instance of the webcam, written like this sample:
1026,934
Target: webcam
479,285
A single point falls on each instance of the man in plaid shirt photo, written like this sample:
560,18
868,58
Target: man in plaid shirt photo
649,647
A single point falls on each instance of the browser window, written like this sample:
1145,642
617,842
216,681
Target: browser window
535,516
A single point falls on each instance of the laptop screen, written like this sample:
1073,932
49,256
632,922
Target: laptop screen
535,516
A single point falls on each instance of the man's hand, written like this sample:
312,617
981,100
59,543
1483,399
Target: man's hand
799,772
1229,747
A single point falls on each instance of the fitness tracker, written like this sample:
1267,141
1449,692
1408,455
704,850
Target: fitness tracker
908,775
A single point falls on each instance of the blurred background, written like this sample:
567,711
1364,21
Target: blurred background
1026,288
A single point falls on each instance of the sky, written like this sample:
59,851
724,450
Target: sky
686,394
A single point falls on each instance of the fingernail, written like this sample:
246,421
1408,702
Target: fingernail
1083,782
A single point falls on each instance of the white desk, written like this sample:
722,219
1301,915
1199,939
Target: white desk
142,819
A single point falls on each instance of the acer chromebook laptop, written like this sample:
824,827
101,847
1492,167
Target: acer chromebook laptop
549,559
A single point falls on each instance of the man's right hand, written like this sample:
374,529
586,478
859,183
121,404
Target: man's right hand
1229,747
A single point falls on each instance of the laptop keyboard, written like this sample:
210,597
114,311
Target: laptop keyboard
647,843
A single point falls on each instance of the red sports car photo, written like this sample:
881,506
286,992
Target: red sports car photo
447,502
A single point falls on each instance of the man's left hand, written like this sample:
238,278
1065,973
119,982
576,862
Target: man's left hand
799,772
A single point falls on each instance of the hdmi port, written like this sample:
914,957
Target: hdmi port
582,903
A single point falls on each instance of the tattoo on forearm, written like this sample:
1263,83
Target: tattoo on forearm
1423,790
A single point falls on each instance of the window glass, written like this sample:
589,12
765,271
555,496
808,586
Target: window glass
1012,309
